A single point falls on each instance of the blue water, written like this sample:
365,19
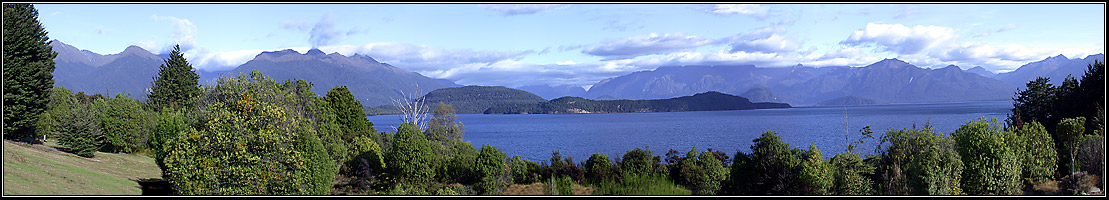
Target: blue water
536,136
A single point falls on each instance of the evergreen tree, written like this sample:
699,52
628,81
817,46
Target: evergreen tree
349,114
28,71
176,84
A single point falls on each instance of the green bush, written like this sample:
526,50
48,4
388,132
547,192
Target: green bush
991,166
771,168
126,124
701,172
1091,154
254,139
490,169
850,175
170,123
815,173
1039,156
919,162
409,161
598,167
61,102
80,131
634,184
524,171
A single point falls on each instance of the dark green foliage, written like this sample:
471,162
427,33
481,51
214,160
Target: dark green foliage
1070,131
632,184
476,99
80,130
700,172
458,167
255,138
771,168
641,162
319,170
699,102
442,128
176,85
563,167
991,165
851,175
1091,154
349,114
918,162
1035,103
598,167
61,103
490,168
1038,156
126,125
815,174
367,163
1049,105
409,160
524,171
28,71
170,123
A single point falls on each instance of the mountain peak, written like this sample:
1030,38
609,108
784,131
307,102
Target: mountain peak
134,49
315,53
1058,57
890,63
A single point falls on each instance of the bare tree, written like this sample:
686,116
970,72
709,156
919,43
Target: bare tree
412,107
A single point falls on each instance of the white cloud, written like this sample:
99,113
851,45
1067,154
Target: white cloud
753,10
900,38
184,34
645,45
520,9
765,40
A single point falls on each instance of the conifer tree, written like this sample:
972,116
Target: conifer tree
176,85
28,71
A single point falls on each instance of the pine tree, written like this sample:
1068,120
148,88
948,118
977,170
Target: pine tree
28,71
176,84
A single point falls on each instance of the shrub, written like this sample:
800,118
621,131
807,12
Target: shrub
126,125
919,162
815,174
80,131
254,139
771,168
1091,154
850,175
490,169
1039,156
409,160
524,171
991,165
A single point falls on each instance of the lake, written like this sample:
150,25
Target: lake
536,136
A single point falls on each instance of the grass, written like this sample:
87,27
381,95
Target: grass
41,170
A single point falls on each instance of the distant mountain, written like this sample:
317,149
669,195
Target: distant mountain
476,99
1057,68
847,101
895,81
669,82
699,102
551,92
887,81
131,71
760,94
981,71
371,82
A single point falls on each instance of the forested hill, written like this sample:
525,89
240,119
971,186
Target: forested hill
699,102
476,99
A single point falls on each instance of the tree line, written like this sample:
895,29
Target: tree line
253,135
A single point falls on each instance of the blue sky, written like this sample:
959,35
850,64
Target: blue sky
579,44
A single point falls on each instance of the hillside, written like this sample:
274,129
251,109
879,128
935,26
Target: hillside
40,170
476,99
371,82
700,102
130,71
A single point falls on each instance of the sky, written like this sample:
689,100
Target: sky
580,44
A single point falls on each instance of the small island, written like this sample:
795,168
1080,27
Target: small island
707,101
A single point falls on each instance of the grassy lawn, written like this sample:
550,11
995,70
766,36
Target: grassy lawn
37,170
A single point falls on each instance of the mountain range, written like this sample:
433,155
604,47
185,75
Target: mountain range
375,83
133,70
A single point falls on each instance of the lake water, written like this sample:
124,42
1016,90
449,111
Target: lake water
536,136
